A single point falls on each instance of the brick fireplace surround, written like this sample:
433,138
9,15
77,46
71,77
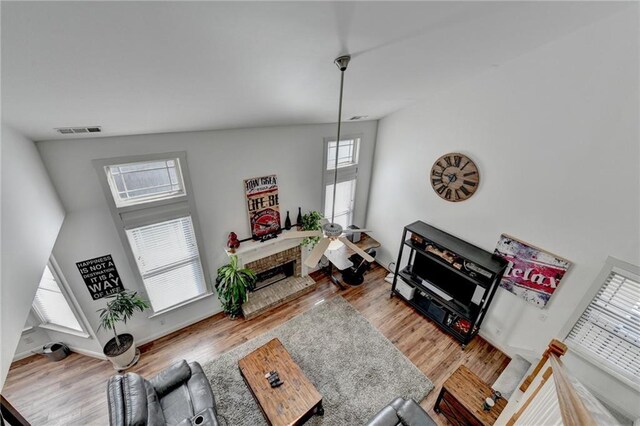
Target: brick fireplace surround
278,259
263,256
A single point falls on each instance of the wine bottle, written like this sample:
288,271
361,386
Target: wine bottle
299,219
287,222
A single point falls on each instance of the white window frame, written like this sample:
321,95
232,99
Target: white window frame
345,173
611,265
71,301
148,198
152,211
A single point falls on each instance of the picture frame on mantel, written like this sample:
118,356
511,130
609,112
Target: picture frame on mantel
532,274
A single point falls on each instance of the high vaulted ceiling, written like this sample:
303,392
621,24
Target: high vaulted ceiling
148,67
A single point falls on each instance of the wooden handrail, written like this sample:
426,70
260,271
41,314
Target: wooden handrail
555,347
572,408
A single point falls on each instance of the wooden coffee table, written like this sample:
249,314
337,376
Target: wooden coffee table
461,399
293,402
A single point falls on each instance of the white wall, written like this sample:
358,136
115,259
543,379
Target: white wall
31,340
31,218
218,162
555,136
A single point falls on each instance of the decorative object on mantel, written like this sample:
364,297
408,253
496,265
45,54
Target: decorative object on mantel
454,177
233,285
263,206
311,221
331,231
299,220
121,350
232,242
287,222
533,273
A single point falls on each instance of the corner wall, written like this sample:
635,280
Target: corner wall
555,136
31,218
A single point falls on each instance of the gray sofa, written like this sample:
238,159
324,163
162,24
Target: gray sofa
179,395
402,413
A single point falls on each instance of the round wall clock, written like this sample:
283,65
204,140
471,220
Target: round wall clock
454,177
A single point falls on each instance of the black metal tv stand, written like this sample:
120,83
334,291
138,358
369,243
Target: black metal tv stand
459,260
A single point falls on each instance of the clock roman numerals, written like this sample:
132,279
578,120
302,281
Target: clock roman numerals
454,177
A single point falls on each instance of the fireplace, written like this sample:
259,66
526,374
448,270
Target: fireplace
276,267
282,275
275,274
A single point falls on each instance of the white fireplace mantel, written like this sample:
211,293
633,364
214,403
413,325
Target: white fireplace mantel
250,251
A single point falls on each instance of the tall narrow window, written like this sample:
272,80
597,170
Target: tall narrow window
347,175
153,205
50,304
609,327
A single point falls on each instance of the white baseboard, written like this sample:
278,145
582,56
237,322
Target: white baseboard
98,355
176,328
30,352
23,355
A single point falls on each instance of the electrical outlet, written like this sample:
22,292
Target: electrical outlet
28,340
162,322
543,316
498,331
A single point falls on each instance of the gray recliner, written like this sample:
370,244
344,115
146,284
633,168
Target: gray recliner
402,412
179,395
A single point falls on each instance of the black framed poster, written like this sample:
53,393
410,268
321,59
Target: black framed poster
100,276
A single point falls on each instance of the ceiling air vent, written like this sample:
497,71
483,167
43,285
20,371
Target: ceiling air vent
78,130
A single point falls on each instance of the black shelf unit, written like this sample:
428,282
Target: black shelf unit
461,261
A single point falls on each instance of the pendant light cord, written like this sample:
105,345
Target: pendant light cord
335,172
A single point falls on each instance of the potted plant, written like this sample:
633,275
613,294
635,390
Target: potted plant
311,221
120,350
233,286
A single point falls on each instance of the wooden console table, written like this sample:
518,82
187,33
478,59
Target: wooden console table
461,399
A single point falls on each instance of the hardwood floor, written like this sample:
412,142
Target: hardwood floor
73,391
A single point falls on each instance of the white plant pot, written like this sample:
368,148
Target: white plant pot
126,359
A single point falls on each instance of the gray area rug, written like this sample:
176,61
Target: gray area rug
355,368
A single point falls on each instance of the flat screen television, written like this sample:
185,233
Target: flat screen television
439,276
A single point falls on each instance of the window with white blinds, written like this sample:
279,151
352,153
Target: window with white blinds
153,207
609,328
169,262
50,304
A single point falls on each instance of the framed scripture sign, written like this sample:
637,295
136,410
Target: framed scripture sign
100,276
263,205
533,274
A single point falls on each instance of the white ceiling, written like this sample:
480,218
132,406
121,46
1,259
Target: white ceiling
147,67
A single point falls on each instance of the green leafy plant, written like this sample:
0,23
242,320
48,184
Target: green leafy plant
120,307
233,285
311,222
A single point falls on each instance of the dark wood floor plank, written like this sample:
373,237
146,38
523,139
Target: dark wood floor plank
73,391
